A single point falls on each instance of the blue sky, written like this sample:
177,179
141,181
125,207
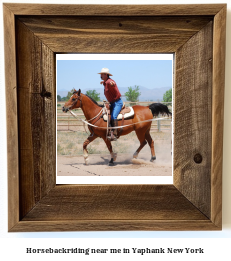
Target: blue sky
128,71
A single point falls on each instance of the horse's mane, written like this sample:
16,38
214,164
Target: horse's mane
94,101
91,99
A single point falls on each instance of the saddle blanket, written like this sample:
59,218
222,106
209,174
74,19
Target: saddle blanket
120,116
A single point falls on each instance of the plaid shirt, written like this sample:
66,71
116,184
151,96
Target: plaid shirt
111,90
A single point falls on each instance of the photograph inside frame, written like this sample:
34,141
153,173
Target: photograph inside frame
114,118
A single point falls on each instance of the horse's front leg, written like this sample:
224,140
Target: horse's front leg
113,155
86,142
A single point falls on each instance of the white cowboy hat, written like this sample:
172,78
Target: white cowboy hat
105,70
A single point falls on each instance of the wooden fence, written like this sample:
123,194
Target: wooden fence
66,122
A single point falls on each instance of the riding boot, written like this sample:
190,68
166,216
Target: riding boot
113,131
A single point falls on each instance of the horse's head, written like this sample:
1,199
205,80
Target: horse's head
74,102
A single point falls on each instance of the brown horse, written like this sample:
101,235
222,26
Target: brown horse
91,109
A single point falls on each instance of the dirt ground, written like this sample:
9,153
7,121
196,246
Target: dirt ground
125,165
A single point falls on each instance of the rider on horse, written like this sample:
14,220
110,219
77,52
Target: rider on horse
113,95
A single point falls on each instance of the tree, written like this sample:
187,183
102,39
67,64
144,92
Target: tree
58,98
93,94
167,97
132,94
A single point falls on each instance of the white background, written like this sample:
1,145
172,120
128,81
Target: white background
215,244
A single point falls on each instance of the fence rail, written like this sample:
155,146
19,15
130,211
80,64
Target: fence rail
64,120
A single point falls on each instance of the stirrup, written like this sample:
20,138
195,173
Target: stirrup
112,137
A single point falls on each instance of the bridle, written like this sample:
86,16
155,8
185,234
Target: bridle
78,99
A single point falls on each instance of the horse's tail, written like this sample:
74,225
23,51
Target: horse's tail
159,108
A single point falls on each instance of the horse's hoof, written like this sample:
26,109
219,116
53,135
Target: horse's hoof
153,158
114,156
135,155
111,163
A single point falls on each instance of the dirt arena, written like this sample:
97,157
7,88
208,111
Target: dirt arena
125,165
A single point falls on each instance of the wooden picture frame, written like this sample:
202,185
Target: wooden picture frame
33,34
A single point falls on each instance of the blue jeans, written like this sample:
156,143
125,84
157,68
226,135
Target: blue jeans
116,108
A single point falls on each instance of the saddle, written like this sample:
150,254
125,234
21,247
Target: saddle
126,112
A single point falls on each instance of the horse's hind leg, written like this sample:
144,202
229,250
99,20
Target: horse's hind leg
140,135
86,142
151,144
113,155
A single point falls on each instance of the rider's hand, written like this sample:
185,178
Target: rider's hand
101,82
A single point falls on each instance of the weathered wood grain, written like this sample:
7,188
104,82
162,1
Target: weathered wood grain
114,225
112,44
48,95
27,82
218,115
193,113
114,10
108,202
114,207
12,121
48,147
77,25
115,34
36,94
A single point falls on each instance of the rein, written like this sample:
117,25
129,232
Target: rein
89,120
73,114
95,116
